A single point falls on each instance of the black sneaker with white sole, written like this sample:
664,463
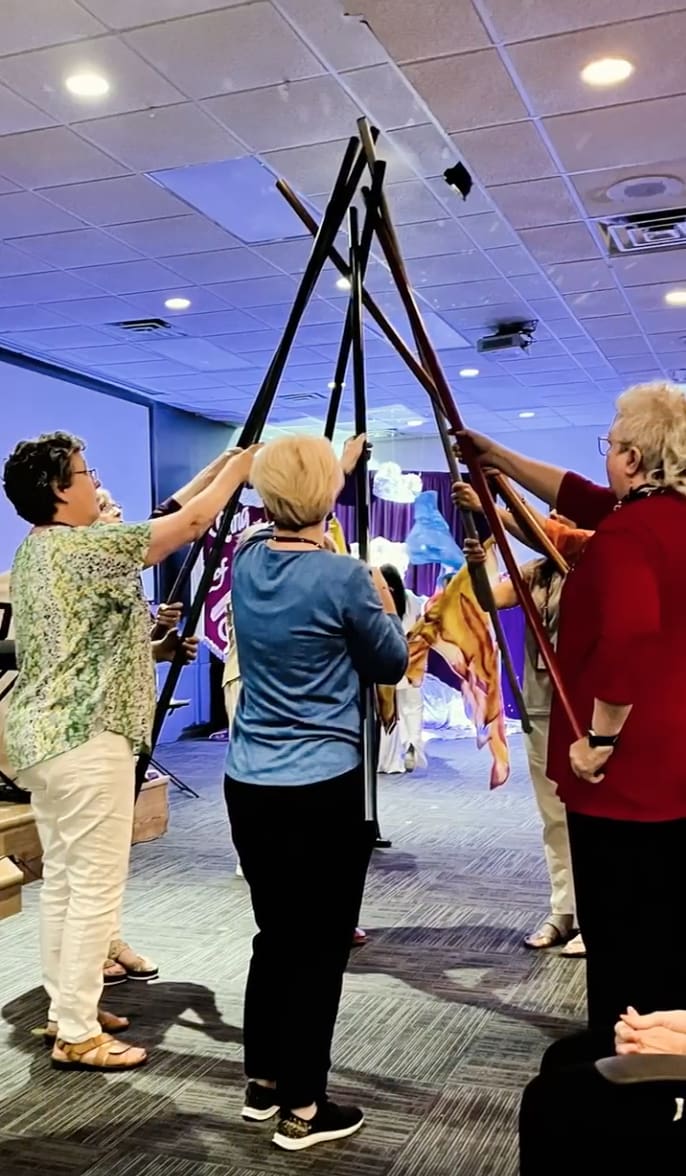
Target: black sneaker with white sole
259,1104
330,1122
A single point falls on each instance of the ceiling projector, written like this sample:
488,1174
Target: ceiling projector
507,336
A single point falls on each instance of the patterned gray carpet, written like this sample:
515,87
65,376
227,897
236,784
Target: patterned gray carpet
444,1017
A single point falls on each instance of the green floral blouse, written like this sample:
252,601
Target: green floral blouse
82,628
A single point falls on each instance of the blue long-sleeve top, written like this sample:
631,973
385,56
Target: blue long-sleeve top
309,629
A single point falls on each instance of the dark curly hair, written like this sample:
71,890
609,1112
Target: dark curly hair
34,473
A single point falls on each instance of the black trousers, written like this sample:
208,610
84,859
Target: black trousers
630,880
304,851
571,1116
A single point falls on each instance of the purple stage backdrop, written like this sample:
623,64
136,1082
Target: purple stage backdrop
393,521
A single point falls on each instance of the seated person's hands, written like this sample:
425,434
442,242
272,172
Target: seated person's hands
165,650
473,551
465,497
654,1033
352,452
169,615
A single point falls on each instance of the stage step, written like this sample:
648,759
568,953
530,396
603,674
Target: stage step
11,880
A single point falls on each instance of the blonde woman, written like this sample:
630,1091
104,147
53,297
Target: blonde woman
80,710
622,654
311,628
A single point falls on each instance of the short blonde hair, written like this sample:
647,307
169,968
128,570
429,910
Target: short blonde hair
652,417
298,479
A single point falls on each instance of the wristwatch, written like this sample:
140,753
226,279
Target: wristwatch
595,740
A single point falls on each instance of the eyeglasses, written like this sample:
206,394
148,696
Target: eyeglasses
92,474
604,446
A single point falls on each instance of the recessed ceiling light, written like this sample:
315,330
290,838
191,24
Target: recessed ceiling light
87,85
607,71
676,297
469,373
527,415
343,284
177,303
415,422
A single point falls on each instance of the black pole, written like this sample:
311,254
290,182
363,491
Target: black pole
348,178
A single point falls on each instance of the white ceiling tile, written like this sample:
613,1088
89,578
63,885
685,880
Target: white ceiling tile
541,18
313,169
30,24
572,242
593,187
506,154
245,342
172,136
532,286
291,256
535,203
127,14
318,311
652,297
292,114
427,151
576,277
151,302
409,31
128,277
19,318
174,235
113,353
12,262
643,132
220,322
633,364
386,96
341,37
23,214
96,310
512,261
489,231
612,327
469,91
64,338
581,345
146,369
258,292
187,383
48,287
550,69
77,248
597,303
221,52
669,319
225,265
39,78
667,344
412,202
434,237
456,267
667,265
113,202
467,294
37,159
486,318
18,115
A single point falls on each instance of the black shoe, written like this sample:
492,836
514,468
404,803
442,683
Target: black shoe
330,1122
260,1103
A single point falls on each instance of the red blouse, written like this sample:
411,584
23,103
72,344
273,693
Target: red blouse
622,639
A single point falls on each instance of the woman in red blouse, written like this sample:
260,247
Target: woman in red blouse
622,654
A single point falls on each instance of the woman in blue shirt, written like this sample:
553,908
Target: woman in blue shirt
311,628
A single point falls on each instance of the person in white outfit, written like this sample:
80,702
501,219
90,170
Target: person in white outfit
403,749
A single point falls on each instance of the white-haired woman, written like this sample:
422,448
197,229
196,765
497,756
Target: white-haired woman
311,628
622,653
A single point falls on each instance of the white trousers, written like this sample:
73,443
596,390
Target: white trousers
554,817
83,804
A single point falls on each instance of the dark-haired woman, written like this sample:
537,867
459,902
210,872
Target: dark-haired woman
545,584
81,708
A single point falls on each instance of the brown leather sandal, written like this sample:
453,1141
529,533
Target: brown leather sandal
108,1022
97,1053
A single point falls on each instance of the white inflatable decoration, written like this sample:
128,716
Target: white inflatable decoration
392,485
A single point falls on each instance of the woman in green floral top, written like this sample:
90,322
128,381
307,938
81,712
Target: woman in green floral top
81,709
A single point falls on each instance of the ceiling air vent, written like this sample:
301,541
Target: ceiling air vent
302,397
644,232
151,326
